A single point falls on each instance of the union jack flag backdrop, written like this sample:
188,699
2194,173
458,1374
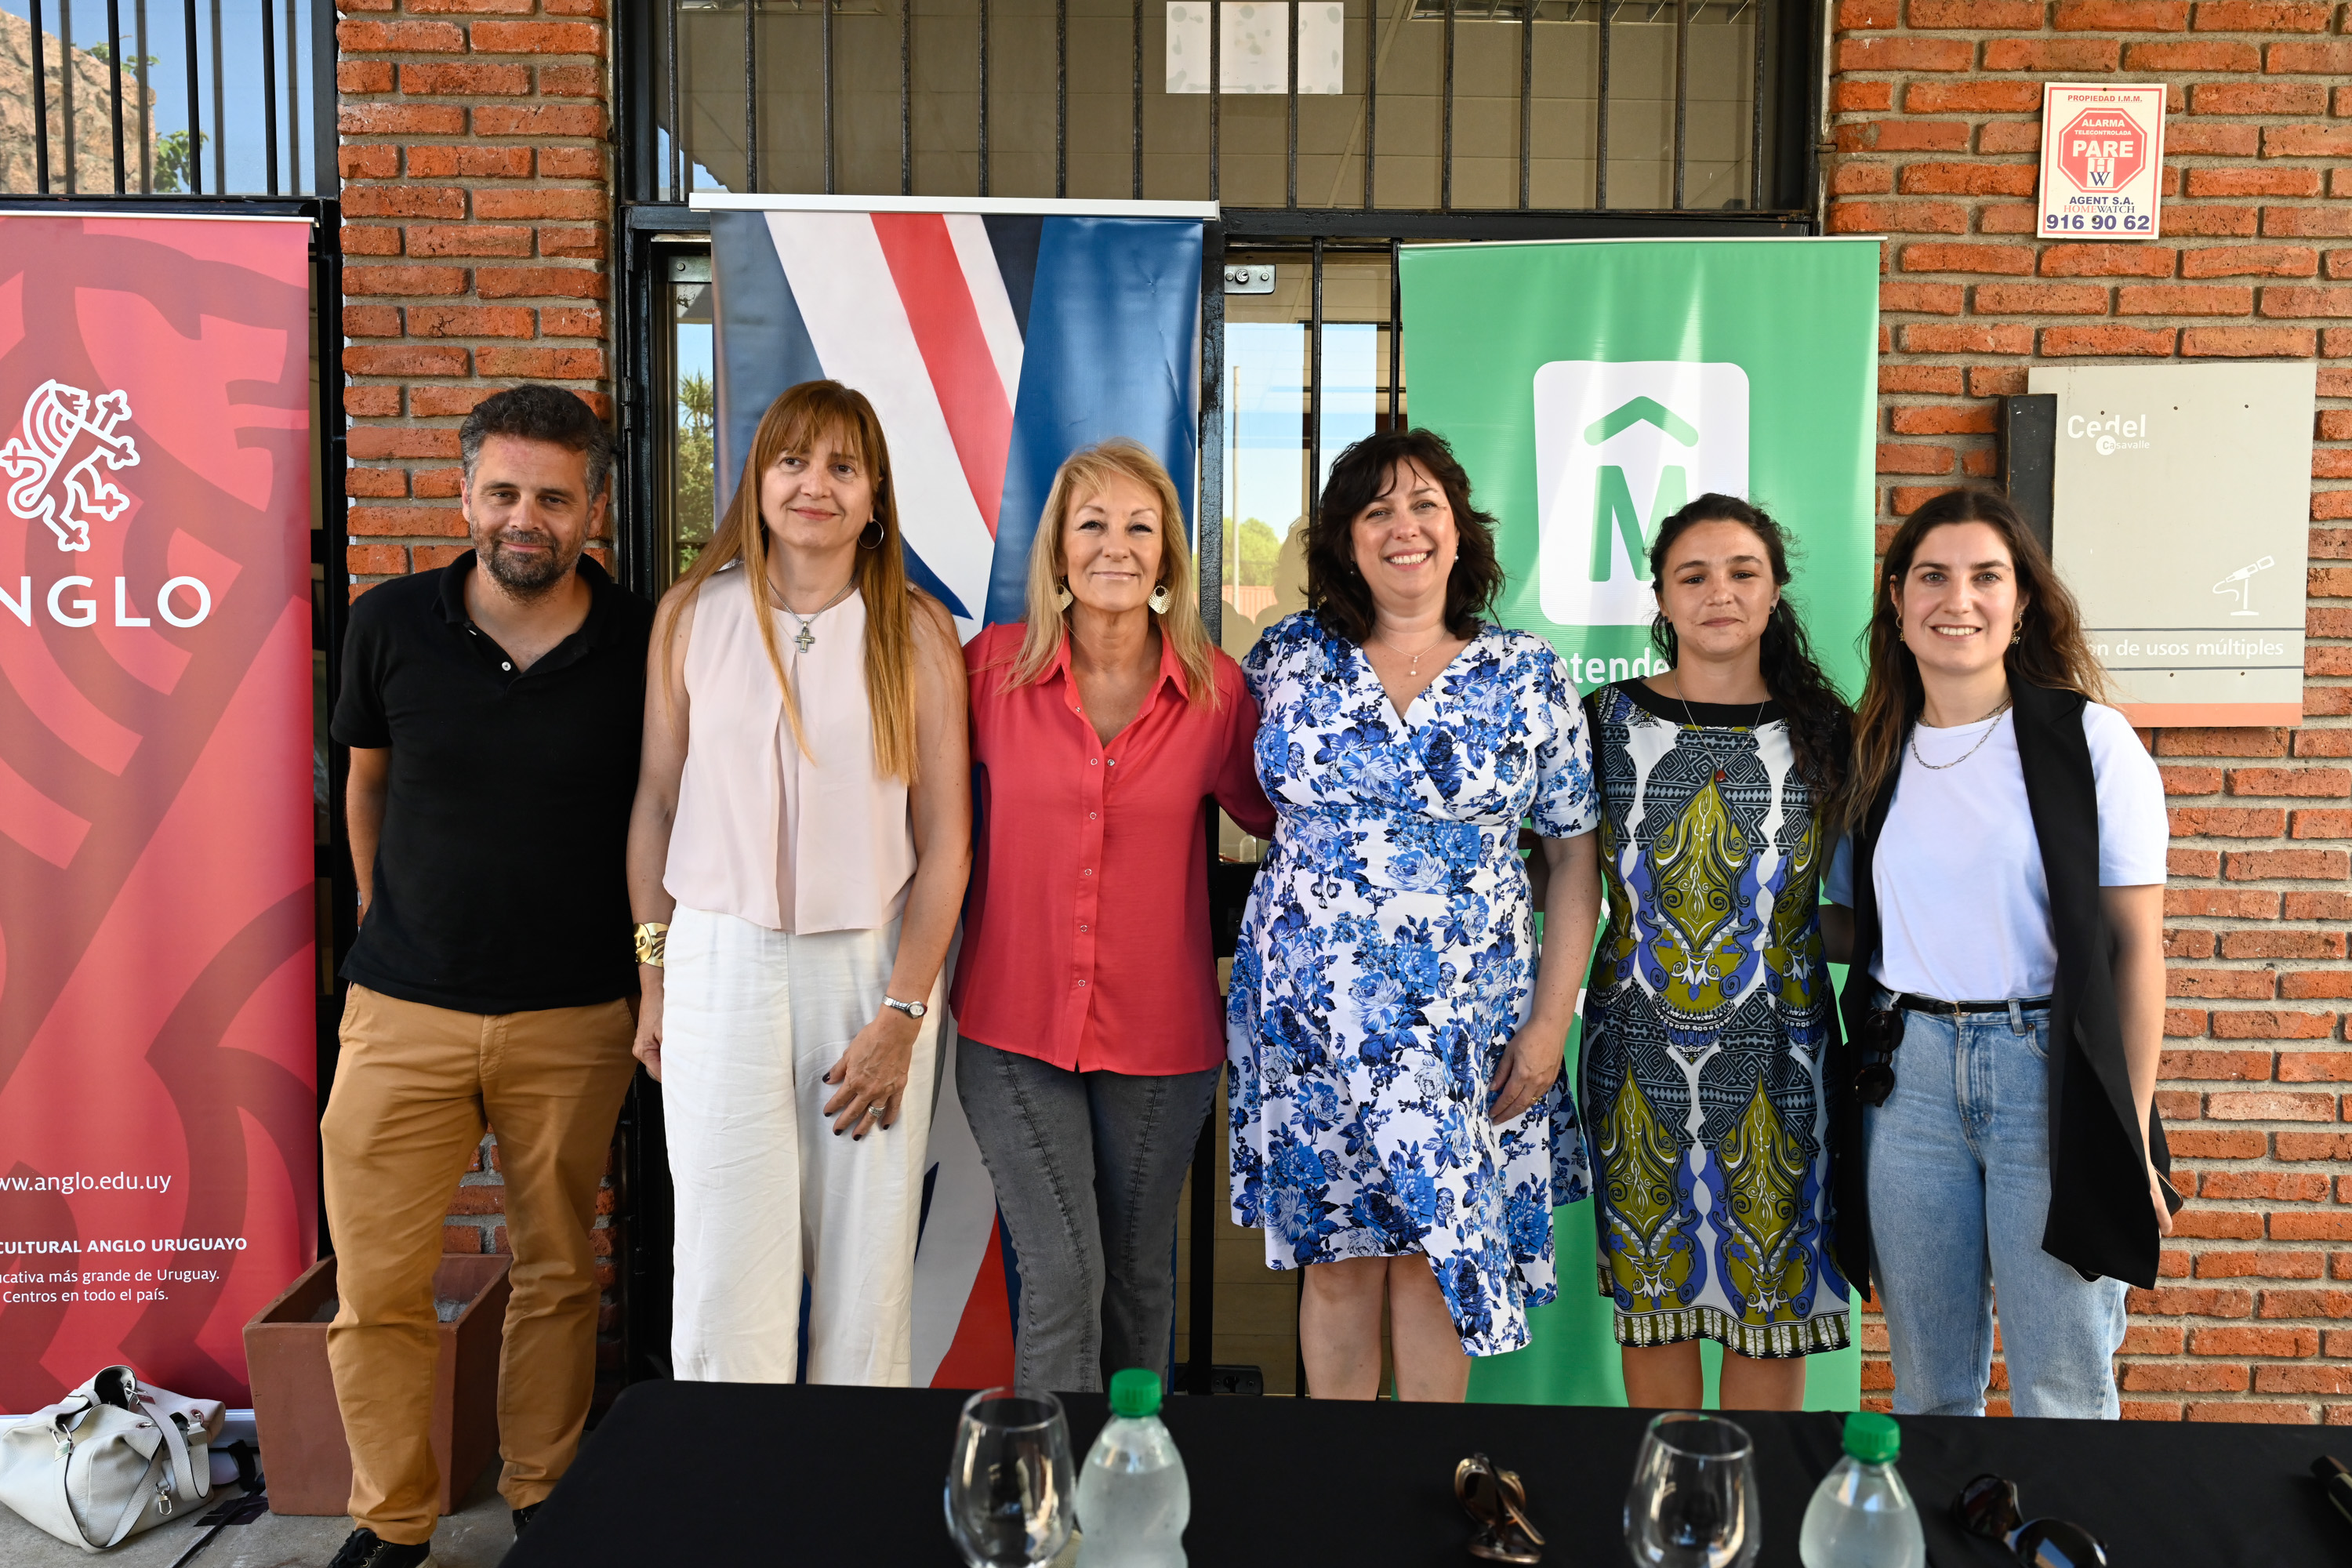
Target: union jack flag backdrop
993,346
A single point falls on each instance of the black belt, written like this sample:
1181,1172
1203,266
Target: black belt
1941,1008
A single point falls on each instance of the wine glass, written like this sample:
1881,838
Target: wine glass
1012,1489
1693,1502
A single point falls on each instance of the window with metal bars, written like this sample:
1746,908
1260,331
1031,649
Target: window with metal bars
170,98
1446,105
1484,119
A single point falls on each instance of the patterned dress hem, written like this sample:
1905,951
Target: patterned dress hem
1704,1030
1347,1248
1757,1341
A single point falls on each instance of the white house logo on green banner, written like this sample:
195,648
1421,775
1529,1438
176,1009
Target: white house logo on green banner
1590,387
1620,447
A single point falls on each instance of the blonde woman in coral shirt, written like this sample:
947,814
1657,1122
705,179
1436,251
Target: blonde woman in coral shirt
1104,729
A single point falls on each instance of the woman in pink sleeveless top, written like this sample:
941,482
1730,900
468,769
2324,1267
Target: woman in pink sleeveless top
797,855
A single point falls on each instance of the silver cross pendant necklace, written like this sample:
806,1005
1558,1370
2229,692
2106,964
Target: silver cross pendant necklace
805,639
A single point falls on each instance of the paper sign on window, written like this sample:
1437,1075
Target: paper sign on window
1253,46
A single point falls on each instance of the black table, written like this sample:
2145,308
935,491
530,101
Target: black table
733,1473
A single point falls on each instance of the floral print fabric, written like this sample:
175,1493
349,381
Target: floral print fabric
1385,961
1705,1029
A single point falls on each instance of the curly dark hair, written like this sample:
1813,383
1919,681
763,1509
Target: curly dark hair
535,412
1336,589
1819,723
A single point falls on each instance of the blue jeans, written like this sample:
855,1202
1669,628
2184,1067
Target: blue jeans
1959,1187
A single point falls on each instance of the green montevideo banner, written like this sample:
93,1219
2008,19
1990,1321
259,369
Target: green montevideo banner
1590,388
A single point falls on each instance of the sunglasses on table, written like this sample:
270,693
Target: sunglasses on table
1987,1506
1881,1032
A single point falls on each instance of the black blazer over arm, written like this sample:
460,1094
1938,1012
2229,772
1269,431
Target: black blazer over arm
2100,1219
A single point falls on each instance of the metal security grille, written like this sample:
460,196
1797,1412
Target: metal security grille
1445,105
143,97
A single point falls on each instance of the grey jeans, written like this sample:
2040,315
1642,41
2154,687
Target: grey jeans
1088,1167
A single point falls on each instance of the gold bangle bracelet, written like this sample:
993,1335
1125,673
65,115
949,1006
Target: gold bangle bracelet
653,943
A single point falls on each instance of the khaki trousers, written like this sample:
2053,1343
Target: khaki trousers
412,1095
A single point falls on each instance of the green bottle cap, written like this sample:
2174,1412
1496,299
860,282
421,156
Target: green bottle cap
1873,1439
1136,1392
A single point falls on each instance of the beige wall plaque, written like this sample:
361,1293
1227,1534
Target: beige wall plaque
2181,518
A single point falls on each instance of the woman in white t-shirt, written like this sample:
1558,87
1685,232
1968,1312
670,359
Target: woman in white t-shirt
2002,888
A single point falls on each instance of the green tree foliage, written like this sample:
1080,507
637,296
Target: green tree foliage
1250,553
694,466
174,158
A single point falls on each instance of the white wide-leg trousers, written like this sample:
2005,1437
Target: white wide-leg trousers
768,1196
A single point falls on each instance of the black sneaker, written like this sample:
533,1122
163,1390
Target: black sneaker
365,1549
523,1516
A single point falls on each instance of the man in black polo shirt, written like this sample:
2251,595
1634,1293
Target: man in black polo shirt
493,709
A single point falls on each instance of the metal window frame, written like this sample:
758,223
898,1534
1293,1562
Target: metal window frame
135,180
1779,147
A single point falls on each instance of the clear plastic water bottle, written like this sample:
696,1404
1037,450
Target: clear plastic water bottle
1861,1515
1133,1499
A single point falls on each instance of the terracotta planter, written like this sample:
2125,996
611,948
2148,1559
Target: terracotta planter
301,1428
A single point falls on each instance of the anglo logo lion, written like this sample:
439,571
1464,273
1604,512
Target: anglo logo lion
53,467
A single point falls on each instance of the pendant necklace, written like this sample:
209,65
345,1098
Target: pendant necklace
1991,722
805,639
1694,723
1414,673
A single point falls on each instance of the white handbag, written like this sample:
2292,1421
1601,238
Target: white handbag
110,1459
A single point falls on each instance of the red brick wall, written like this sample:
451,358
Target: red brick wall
478,1223
1936,107
476,187
476,190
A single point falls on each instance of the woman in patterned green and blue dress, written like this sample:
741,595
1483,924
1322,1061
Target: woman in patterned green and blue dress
1709,1015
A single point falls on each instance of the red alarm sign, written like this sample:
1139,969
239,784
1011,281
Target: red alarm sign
2102,160
2101,150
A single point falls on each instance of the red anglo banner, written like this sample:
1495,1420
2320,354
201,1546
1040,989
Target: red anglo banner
158,1094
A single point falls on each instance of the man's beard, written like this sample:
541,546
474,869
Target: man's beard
526,576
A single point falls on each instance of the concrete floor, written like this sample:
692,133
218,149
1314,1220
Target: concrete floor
476,1537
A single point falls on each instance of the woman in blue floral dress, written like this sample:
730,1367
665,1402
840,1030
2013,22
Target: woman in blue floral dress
1393,1050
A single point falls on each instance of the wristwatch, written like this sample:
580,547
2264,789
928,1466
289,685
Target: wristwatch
912,1009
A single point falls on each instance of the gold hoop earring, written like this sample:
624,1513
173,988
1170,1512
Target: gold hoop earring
1063,597
2018,636
1161,599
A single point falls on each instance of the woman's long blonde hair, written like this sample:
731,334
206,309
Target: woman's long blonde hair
1087,473
794,426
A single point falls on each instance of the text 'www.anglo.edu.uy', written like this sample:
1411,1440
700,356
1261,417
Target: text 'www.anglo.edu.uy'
83,1181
